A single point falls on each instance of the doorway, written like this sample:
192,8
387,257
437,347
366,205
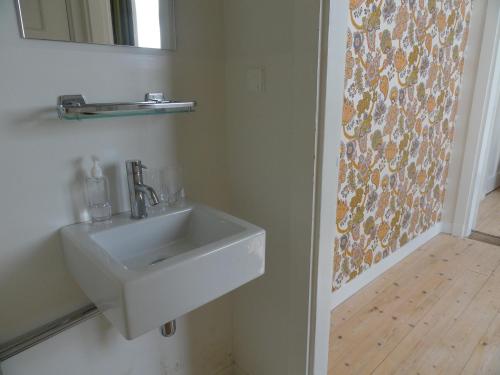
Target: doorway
477,205
488,216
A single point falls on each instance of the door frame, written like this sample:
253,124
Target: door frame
331,85
483,108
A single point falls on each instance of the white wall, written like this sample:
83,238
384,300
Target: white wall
271,148
250,153
41,157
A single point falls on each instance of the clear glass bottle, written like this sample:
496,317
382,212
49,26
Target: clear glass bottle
97,189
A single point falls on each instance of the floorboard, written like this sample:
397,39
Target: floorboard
436,312
488,217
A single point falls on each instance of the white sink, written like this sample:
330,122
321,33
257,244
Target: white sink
144,273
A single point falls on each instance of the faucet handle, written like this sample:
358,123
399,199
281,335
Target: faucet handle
135,166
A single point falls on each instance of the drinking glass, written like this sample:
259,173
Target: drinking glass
171,185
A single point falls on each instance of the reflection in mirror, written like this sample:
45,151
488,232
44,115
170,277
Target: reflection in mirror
138,23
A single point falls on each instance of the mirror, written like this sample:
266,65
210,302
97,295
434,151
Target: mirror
137,23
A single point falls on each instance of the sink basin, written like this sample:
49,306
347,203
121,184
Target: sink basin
144,273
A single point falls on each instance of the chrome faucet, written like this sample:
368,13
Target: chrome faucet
138,190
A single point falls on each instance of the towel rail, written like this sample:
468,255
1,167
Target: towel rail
38,335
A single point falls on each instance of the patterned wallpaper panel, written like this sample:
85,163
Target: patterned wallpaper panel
404,64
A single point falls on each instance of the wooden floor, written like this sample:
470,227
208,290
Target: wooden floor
488,218
436,312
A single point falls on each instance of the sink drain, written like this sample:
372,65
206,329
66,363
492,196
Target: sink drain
157,261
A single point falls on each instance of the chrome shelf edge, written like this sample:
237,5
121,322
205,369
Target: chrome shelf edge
38,335
75,107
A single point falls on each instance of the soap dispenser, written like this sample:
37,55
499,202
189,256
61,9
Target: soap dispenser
97,188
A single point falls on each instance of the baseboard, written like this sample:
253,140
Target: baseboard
375,271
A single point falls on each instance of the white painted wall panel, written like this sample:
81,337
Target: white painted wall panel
271,147
40,187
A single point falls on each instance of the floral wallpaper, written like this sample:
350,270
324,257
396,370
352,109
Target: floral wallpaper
404,64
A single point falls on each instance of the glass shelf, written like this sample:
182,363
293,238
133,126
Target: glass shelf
74,107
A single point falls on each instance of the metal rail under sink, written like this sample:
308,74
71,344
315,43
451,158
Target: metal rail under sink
40,334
